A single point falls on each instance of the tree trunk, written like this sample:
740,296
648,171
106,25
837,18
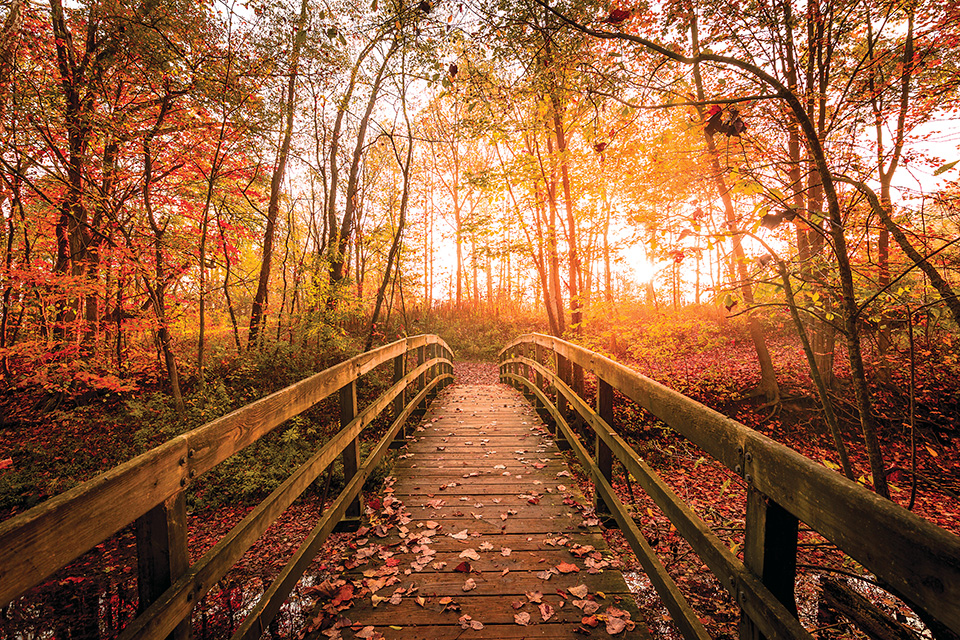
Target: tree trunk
768,376
258,312
157,290
342,237
392,256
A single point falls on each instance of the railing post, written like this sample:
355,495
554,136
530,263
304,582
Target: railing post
526,373
563,372
399,370
604,455
538,404
769,552
432,350
162,554
422,380
351,454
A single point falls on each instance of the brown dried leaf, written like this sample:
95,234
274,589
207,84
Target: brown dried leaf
546,611
589,607
580,591
522,618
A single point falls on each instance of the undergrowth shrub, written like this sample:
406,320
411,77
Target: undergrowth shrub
478,336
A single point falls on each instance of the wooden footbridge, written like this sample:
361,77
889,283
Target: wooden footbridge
482,533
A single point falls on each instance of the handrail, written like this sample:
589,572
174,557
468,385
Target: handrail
916,559
149,489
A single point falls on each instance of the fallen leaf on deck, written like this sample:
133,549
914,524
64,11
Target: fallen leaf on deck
517,604
580,591
535,597
486,546
470,554
522,618
463,567
618,621
566,567
466,622
469,585
590,621
460,535
504,551
589,607
546,611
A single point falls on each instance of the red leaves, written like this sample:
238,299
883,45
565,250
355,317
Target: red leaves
617,16
464,567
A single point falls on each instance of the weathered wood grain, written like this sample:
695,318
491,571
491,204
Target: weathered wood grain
536,532
38,542
919,560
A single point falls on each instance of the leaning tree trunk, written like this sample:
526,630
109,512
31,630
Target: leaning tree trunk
768,376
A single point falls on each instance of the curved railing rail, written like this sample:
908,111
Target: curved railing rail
150,490
917,560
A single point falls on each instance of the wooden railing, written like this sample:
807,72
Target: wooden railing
150,491
913,558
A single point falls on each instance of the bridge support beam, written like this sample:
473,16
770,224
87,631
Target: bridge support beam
399,370
770,553
563,408
351,454
603,454
162,554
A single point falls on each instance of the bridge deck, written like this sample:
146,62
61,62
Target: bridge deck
483,483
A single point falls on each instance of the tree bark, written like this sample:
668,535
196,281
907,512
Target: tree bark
258,312
768,376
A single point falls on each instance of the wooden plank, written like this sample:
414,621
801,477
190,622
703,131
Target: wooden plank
516,583
39,541
489,609
452,631
176,602
913,556
258,620
754,598
539,536
683,615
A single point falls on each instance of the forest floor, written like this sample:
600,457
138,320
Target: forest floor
106,575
